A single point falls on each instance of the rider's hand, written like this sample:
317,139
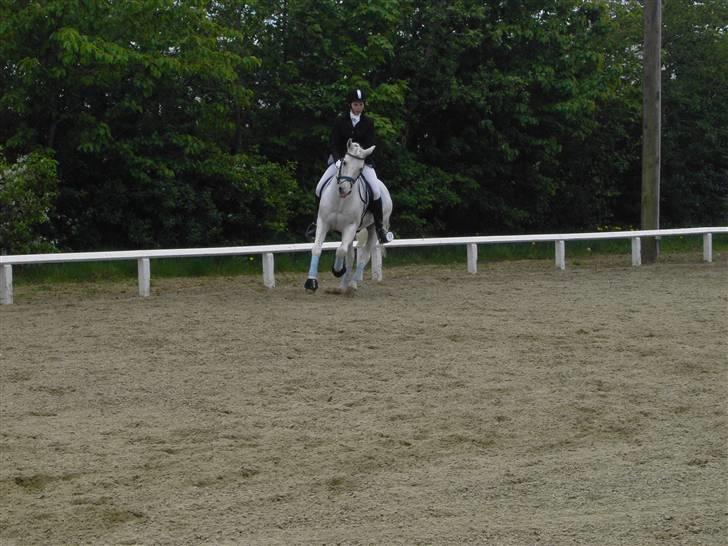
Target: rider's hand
338,163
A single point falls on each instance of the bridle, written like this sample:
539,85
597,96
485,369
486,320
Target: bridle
340,178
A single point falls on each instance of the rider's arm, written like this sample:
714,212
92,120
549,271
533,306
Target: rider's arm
366,137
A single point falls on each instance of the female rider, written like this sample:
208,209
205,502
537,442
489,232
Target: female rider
358,127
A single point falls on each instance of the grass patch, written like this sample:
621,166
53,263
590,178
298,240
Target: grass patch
443,255
119,270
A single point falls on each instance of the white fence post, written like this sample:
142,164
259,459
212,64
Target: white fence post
269,278
377,264
6,285
267,251
144,271
707,247
560,254
636,252
472,258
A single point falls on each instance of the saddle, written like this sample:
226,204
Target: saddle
369,197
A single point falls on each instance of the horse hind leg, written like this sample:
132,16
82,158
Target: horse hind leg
363,252
348,282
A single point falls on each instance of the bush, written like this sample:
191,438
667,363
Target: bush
28,189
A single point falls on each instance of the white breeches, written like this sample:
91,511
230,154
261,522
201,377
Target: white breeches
369,173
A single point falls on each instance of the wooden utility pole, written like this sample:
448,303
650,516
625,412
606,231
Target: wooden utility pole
651,126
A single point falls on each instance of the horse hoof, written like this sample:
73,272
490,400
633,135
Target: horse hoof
338,274
311,285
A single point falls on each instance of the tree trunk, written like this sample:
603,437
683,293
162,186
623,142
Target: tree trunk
651,127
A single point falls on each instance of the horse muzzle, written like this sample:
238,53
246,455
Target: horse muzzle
345,185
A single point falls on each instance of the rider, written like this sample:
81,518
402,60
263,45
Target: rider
357,126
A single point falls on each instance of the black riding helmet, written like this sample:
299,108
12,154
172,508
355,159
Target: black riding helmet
356,95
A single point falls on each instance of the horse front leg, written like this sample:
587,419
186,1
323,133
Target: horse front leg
311,284
347,241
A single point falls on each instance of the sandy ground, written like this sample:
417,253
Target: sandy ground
521,405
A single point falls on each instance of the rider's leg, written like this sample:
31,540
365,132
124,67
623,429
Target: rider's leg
329,173
378,219
371,176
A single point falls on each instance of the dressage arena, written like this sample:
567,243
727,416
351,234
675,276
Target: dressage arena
520,405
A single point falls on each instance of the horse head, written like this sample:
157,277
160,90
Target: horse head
351,167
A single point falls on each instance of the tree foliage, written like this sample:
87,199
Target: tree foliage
189,122
139,100
695,134
28,188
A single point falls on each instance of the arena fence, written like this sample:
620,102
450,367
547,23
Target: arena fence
267,252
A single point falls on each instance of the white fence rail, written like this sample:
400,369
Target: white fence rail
267,252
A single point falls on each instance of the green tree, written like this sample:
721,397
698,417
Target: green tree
695,117
312,53
509,91
137,99
28,189
189,122
603,169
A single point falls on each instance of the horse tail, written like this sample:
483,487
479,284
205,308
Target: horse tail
362,238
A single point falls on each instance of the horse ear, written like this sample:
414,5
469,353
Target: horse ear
368,151
348,144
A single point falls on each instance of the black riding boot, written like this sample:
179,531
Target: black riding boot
378,218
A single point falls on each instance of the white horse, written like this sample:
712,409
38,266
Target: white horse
343,208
